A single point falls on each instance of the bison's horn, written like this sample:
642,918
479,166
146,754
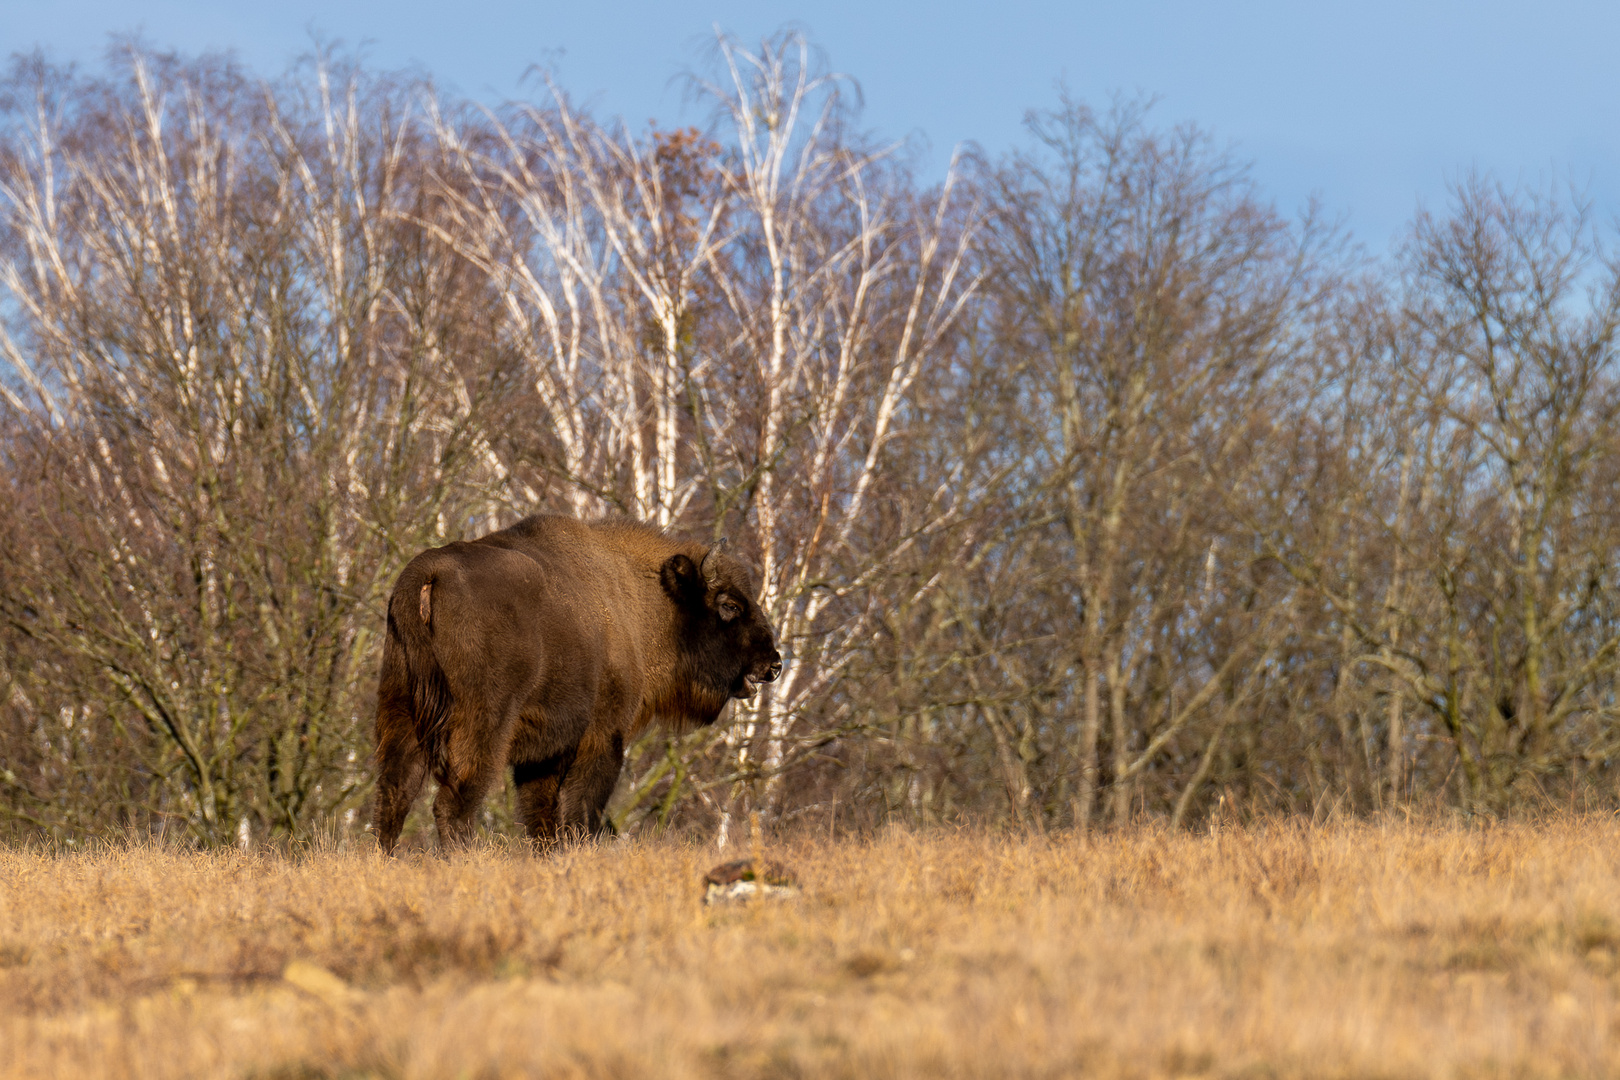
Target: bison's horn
709,570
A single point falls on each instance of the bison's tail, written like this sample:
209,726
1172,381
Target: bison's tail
410,623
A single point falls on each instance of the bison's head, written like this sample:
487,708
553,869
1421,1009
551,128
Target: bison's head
728,644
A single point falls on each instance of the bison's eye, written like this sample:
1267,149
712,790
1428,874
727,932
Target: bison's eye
728,608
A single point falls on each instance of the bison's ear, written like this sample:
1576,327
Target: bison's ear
682,579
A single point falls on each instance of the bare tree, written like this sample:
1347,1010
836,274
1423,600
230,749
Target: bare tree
222,344
1162,298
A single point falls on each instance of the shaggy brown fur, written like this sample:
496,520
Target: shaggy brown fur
544,647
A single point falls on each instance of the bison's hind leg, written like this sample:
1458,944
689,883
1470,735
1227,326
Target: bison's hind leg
476,758
401,769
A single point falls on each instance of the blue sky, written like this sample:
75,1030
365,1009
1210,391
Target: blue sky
1373,106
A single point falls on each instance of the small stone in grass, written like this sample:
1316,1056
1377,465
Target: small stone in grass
740,880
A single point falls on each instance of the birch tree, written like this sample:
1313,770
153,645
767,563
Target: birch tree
217,338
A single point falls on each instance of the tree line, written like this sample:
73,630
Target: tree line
1084,486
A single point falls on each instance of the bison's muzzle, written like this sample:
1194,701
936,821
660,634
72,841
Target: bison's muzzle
762,673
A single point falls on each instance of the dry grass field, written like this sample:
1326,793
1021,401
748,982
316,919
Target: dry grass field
1285,950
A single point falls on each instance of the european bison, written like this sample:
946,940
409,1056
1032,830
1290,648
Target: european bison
545,646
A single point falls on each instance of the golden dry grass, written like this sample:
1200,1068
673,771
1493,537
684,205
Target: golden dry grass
1347,950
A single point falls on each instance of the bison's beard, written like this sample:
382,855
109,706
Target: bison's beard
689,704
694,699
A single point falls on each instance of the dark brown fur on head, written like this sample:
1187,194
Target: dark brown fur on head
728,648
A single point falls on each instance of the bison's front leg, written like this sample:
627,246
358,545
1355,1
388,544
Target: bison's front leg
538,784
588,786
